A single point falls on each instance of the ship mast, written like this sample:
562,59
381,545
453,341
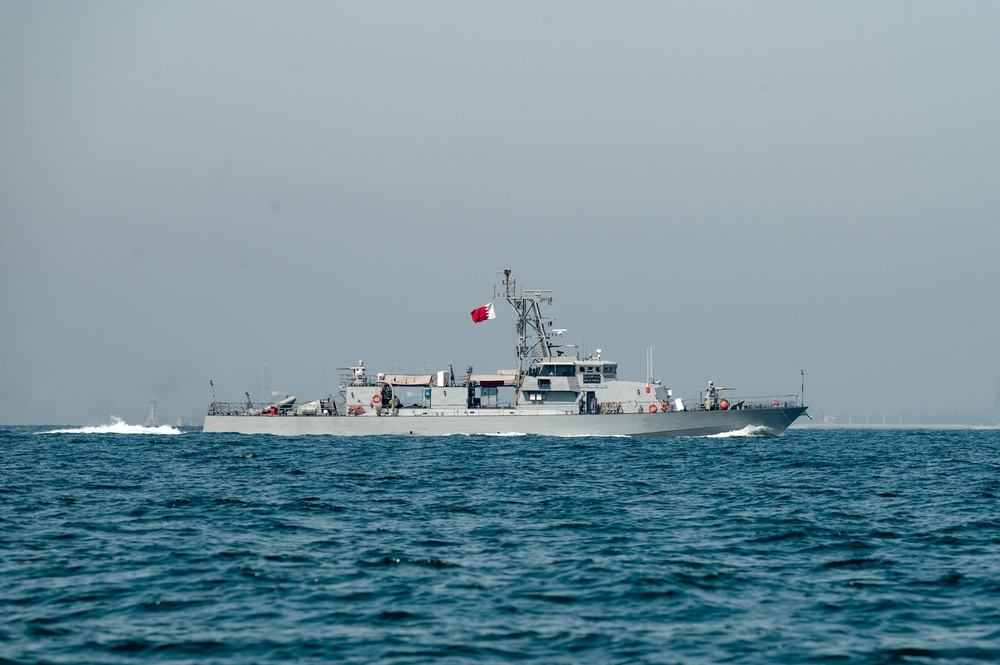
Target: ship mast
533,339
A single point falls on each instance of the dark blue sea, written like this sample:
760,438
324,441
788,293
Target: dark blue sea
127,545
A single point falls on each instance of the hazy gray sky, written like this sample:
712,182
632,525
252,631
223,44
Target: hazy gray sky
189,188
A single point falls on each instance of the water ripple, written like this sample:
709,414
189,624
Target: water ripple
835,545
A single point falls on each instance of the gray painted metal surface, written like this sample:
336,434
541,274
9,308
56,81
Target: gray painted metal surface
769,421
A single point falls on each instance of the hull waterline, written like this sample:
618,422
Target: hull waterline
767,421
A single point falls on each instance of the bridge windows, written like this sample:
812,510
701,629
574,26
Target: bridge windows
557,370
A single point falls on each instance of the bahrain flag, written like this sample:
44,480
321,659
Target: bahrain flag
482,313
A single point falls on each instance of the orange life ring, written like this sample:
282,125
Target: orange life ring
376,398
652,408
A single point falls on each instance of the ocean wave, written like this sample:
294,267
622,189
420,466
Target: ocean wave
116,426
749,430
852,545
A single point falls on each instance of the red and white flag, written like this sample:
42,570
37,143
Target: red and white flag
483,313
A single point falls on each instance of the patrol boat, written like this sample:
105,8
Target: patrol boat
548,393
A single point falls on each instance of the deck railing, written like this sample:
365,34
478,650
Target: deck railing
757,402
328,404
237,408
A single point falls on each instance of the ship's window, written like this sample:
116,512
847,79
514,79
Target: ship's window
547,370
564,370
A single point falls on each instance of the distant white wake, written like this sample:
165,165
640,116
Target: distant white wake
488,434
117,426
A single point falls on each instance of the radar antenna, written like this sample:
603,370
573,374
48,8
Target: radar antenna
533,332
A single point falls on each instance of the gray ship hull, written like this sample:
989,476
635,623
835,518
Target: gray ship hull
770,421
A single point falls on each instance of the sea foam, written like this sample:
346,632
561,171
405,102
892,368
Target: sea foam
749,430
117,426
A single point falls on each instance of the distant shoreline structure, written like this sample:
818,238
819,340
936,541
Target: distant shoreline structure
889,426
